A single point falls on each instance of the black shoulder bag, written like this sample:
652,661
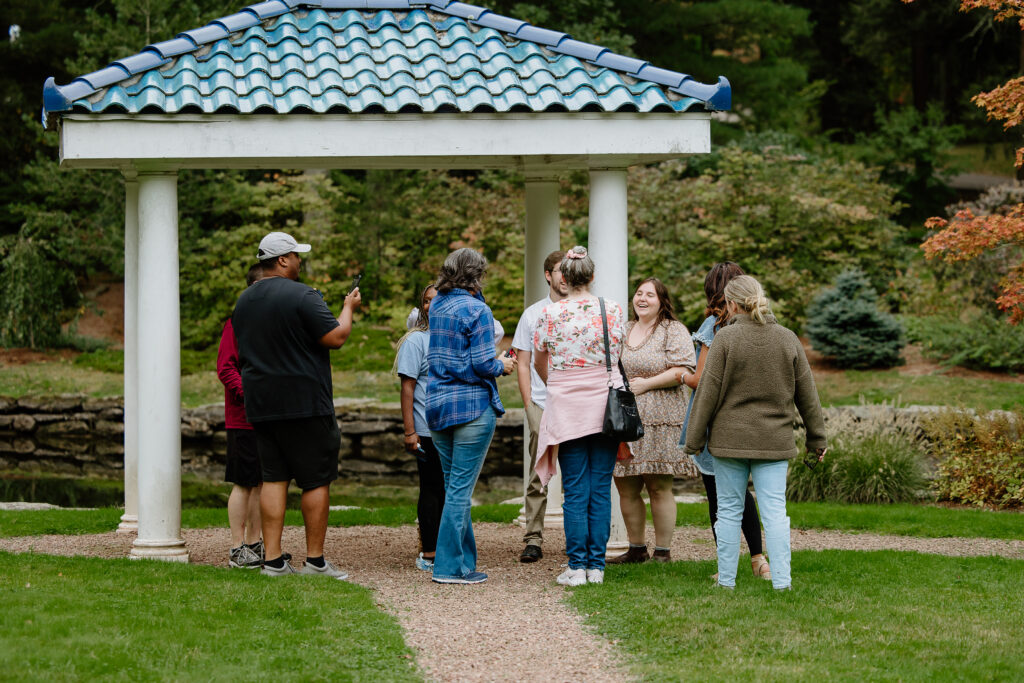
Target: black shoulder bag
621,416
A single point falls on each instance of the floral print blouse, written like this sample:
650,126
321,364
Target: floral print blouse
572,334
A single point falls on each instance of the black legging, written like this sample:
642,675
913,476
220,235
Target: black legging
431,500
751,524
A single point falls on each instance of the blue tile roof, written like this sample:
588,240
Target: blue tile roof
373,56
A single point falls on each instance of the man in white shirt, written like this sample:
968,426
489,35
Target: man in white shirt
533,391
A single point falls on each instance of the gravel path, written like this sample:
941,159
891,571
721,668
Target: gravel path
514,627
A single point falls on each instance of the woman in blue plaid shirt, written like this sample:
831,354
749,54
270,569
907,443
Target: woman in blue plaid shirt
462,404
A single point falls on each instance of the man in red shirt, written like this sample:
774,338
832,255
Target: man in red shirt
243,463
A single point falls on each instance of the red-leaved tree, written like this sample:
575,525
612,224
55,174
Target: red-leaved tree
966,236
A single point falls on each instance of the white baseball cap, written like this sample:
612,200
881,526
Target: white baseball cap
279,244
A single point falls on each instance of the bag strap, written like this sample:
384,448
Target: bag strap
607,349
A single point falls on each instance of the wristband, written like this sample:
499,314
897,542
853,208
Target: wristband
410,434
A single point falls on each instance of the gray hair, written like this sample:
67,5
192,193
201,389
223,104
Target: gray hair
747,293
577,268
464,269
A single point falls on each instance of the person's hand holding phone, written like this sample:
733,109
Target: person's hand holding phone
509,360
412,444
354,298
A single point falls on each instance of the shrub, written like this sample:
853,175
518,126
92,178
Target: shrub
984,342
880,468
981,458
845,324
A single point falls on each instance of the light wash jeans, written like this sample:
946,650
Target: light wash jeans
586,464
462,449
731,475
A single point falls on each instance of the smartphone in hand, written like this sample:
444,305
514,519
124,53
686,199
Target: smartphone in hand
355,283
511,353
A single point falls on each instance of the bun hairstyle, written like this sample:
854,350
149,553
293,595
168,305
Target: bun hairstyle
714,288
577,268
747,293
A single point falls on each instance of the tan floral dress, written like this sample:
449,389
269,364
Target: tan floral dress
662,410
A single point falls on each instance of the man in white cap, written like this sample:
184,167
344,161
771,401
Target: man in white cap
285,333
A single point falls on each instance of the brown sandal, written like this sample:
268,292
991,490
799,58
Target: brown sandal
760,567
631,556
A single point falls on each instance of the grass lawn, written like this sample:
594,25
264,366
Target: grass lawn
40,522
851,616
900,519
89,619
877,386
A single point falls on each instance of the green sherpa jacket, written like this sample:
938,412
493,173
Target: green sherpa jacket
743,408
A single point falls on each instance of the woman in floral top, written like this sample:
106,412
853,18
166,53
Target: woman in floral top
570,358
657,350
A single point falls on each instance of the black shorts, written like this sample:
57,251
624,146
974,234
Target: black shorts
243,467
304,449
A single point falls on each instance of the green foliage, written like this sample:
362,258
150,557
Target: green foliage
879,468
793,220
912,149
981,458
851,615
32,289
845,324
984,342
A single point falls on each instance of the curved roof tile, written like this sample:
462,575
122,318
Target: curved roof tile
377,56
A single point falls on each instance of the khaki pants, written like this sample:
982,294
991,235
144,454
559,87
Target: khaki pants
536,501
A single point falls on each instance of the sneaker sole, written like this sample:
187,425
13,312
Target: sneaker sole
463,582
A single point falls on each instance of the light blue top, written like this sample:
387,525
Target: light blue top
701,338
412,363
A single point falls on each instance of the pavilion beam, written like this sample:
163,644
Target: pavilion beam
609,249
159,371
543,228
130,518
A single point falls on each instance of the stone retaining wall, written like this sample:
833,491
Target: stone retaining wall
80,435
72,434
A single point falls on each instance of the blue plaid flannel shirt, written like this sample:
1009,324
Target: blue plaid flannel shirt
461,360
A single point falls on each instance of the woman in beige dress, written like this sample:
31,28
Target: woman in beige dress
657,348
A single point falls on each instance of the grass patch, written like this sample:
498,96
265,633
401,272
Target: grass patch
899,519
852,615
880,386
81,619
102,520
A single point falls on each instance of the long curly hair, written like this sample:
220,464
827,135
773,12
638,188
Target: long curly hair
714,288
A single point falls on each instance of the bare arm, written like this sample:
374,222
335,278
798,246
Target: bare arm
540,362
412,440
339,335
668,378
523,375
691,379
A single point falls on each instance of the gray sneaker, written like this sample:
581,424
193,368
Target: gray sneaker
243,557
283,571
327,570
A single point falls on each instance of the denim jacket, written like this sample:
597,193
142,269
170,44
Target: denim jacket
701,338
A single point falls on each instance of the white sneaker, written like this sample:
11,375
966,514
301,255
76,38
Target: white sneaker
572,577
327,570
595,576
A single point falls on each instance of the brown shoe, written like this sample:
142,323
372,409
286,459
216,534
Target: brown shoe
662,556
631,556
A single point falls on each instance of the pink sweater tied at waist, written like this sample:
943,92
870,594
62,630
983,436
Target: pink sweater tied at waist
574,408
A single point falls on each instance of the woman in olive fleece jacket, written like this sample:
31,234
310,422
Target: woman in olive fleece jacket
756,371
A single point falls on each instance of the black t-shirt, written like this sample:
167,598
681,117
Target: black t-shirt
286,374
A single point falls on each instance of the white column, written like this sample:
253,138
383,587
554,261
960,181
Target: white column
159,372
130,518
542,238
609,249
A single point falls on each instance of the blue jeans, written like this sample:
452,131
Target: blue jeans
462,449
769,476
587,465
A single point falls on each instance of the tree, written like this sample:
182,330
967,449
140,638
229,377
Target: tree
966,236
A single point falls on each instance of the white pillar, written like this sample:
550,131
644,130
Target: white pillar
609,249
130,518
542,238
159,372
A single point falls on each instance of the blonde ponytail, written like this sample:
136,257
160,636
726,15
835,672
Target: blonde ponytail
747,293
